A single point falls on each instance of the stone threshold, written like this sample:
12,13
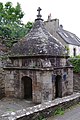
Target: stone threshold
45,109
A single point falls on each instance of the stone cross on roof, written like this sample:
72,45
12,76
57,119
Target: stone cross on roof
39,15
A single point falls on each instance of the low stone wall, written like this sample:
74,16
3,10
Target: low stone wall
76,82
46,109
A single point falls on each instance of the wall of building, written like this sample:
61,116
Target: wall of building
43,76
40,81
71,51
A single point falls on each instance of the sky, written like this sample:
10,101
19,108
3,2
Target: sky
67,11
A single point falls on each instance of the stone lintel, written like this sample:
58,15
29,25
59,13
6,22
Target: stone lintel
39,69
36,56
24,68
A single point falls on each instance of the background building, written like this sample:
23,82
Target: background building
70,41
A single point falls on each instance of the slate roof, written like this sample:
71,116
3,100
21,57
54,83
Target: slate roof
38,41
68,37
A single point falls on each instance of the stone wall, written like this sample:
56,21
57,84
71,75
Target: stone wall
49,78
3,56
76,82
2,87
2,80
41,80
44,110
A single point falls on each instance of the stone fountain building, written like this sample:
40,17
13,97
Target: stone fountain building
39,69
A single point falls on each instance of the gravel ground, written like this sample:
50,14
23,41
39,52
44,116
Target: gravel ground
12,105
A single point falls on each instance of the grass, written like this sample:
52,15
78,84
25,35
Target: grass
59,111
41,118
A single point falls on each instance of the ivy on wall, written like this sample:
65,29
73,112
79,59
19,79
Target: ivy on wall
75,61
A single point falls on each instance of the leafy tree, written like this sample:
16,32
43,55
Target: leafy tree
11,26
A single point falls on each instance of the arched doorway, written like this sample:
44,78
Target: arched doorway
58,86
27,87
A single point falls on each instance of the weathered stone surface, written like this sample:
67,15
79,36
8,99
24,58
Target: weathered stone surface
38,69
76,82
46,109
2,83
38,41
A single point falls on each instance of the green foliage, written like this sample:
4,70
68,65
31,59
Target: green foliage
58,111
67,48
10,14
11,26
41,118
76,63
28,26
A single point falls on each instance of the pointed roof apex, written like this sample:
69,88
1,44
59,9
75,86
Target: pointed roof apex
39,15
38,42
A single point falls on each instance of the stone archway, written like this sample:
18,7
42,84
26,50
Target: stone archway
58,86
27,87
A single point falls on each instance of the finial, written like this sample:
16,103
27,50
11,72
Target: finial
39,15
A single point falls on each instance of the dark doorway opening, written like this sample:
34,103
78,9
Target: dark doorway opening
58,86
27,85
